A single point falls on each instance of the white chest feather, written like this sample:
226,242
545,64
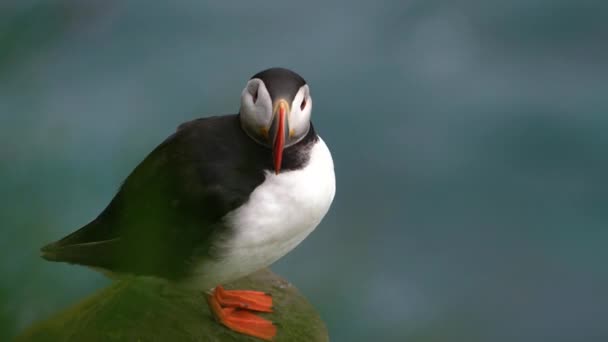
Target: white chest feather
279,214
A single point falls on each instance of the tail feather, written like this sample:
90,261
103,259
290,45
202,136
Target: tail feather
91,245
98,253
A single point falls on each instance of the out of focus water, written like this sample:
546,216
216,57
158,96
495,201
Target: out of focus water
469,137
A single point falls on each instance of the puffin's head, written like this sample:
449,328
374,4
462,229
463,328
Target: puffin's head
275,110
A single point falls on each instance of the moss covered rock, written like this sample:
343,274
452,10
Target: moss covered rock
137,310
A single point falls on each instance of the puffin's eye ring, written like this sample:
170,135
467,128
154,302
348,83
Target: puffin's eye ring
303,104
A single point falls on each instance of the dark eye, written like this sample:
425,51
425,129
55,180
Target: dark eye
255,96
303,104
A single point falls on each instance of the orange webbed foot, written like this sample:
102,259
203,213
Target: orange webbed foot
243,299
231,309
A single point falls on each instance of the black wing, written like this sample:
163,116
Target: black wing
171,205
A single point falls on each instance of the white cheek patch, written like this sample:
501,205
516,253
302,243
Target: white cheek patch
299,119
258,113
264,106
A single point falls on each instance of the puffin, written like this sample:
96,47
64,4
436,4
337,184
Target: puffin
220,198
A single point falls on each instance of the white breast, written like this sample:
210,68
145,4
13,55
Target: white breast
279,214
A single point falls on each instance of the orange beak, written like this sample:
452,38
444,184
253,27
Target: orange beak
279,137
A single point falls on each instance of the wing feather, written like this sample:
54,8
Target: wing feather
172,202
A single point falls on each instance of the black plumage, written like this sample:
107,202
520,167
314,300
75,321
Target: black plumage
169,210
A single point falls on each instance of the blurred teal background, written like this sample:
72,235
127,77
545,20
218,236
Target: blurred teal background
469,138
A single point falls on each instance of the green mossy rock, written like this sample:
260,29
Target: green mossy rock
135,310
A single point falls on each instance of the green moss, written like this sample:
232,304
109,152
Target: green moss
135,310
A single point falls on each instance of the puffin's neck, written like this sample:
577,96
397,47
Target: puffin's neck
296,156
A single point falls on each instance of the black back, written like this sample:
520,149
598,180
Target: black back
169,210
